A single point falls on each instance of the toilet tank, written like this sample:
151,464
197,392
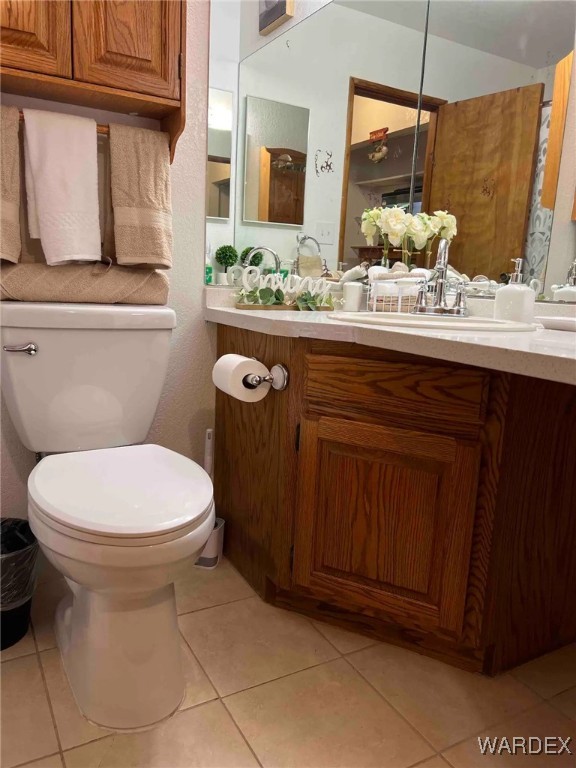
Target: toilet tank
96,378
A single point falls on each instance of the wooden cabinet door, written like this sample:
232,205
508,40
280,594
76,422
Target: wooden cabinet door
36,36
384,521
482,171
128,44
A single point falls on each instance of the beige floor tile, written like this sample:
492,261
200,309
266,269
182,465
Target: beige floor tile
343,640
203,737
27,730
249,642
23,647
566,703
326,717
550,674
443,703
73,728
200,588
53,761
47,596
198,687
539,722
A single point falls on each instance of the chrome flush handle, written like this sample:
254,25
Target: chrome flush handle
29,349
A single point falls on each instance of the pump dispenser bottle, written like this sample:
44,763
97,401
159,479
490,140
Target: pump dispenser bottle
515,301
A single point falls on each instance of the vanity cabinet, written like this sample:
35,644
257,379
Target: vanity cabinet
384,521
135,45
36,36
420,502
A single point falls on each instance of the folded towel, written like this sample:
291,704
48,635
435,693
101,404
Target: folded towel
140,161
62,185
83,283
310,266
10,244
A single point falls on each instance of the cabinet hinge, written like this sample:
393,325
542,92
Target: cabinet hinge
180,66
297,440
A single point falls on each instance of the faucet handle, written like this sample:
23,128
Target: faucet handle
421,299
460,306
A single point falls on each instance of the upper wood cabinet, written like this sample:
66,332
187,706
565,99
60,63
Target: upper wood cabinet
131,45
36,36
384,521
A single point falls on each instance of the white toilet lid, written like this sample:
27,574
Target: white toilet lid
134,491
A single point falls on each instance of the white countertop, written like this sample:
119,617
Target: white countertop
543,354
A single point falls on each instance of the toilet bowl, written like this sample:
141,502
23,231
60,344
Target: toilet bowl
119,524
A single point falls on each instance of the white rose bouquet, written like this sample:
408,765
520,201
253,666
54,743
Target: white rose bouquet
369,225
407,231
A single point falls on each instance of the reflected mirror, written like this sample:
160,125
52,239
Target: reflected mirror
219,167
298,84
503,70
276,149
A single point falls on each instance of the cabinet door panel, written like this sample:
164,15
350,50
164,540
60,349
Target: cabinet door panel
36,36
384,521
129,44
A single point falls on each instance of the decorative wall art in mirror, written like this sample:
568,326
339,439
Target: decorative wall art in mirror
219,168
273,13
276,151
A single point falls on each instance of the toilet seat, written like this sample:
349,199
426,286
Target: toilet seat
131,496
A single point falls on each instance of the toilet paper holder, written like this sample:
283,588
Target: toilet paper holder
278,378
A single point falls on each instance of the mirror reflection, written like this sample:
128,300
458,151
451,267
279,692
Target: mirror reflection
327,120
496,64
276,149
219,168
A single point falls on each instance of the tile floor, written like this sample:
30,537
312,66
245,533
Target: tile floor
265,687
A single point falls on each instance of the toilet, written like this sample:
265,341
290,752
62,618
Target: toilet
119,519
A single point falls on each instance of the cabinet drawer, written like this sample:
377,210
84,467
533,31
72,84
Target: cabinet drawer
416,394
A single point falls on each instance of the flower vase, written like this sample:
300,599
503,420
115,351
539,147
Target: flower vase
407,252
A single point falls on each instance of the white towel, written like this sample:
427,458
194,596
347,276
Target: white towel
61,171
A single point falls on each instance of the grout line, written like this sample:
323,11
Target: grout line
241,732
51,708
219,605
44,757
412,726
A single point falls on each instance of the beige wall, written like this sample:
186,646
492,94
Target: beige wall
186,408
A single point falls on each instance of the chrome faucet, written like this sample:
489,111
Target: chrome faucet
246,262
440,306
441,269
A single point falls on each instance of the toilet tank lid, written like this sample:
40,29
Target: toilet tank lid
20,314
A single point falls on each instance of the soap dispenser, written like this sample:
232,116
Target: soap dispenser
515,301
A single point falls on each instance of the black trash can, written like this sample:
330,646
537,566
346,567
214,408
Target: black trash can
18,556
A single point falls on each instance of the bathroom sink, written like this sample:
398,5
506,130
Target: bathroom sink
439,322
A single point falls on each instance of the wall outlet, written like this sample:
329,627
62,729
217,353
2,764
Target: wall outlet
325,232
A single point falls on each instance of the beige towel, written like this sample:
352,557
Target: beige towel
140,169
10,244
82,283
310,266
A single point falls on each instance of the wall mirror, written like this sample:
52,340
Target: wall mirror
311,66
494,146
219,163
276,152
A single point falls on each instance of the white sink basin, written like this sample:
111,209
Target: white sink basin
438,322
